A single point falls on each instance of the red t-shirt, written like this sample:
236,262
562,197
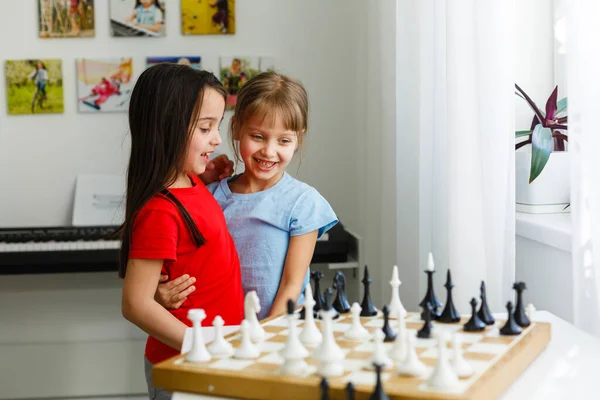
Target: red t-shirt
159,232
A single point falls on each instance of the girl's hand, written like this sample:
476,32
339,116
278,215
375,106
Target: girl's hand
171,295
218,168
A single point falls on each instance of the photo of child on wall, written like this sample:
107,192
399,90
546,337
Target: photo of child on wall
34,86
234,72
104,85
66,18
207,17
191,61
144,18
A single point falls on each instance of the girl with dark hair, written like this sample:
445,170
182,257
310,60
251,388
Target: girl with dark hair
173,225
147,14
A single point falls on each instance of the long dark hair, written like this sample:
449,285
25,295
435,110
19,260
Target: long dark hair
163,108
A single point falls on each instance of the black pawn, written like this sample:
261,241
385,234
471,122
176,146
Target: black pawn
319,300
390,335
425,331
328,303
339,284
350,391
484,313
324,389
378,394
449,315
430,297
520,316
368,308
474,324
511,327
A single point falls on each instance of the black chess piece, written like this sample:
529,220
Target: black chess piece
303,313
511,327
350,391
339,284
378,393
425,331
324,389
290,306
520,316
390,334
328,304
368,308
319,300
484,311
474,324
430,297
449,315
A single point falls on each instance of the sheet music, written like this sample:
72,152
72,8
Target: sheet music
99,200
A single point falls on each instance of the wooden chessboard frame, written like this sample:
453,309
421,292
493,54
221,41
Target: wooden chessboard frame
175,376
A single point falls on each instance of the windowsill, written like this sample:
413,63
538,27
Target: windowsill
550,229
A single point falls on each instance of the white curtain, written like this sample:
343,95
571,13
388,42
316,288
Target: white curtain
467,146
583,65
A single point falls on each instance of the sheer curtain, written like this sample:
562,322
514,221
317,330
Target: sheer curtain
467,146
583,64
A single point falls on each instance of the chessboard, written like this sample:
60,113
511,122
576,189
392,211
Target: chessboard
496,359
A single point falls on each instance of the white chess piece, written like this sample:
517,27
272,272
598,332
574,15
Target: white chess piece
530,312
398,352
395,303
430,263
251,307
460,366
328,353
198,353
294,352
443,376
379,354
411,366
356,330
310,336
247,349
220,347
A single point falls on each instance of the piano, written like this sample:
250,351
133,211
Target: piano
121,28
94,249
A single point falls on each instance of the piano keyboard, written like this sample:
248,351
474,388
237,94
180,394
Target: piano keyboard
57,239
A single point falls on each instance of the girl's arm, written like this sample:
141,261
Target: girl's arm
300,252
139,307
153,28
131,18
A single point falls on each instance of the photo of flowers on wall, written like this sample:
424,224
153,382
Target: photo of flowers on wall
137,18
34,86
66,18
104,85
207,17
234,72
192,61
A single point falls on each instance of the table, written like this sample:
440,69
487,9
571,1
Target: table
565,369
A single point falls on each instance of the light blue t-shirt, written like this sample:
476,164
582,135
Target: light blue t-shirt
261,225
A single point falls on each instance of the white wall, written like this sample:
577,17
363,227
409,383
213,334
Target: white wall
72,322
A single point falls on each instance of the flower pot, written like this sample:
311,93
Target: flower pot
550,191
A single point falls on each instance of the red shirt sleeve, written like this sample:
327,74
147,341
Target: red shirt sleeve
154,235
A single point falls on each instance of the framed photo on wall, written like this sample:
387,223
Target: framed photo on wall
34,86
145,18
192,61
66,18
234,72
207,17
104,85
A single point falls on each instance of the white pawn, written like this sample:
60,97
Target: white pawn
310,336
530,312
398,352
328,353
220,347
460,366
395,303
199,353
379,356
247,349
443,377
294,352
412,365
251,307
356,330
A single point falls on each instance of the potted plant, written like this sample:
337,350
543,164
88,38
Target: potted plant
548,140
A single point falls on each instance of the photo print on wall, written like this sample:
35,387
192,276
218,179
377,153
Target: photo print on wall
144,18
34,86
66,18
207,17
104,85
235,71
192,61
